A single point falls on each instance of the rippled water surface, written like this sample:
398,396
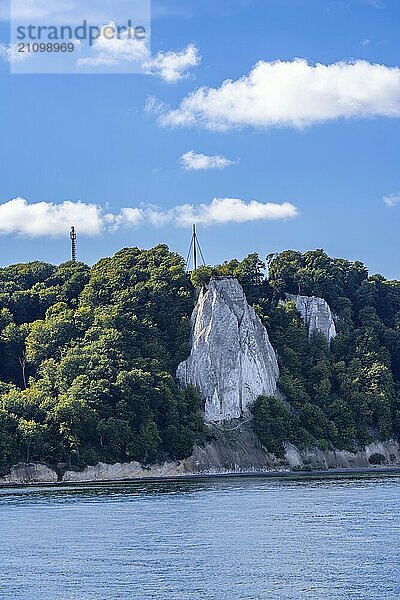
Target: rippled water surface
212,539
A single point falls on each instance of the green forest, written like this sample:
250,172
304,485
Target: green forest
89,357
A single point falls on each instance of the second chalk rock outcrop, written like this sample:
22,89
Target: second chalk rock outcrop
316,314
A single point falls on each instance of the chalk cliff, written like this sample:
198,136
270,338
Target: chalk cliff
29,473
316,314
231,360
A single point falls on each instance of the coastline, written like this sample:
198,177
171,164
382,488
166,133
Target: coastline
278,474
229,454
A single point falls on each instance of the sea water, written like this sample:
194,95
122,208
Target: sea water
240,538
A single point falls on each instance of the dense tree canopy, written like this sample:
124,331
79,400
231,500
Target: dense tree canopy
347,394
89,356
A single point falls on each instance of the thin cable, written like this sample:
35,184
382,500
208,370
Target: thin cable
189,253
201,253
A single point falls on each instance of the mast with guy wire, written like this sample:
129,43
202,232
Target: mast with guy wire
194,251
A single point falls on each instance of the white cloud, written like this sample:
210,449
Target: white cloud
293,94
392,200
126,216
193,161
154,106
20,217
172,66
48,219
111,50
218,211
231,210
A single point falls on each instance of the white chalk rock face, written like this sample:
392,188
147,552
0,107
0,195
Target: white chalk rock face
316,314
232,361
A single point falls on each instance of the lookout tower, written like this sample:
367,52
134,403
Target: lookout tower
72,236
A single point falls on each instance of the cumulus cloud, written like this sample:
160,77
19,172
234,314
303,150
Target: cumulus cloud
113,50
194,161
126,216
110,50
154,106
392,200
218,211
20,217
173,66
230,210
293,94
48,219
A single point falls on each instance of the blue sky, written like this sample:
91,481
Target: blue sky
89,139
